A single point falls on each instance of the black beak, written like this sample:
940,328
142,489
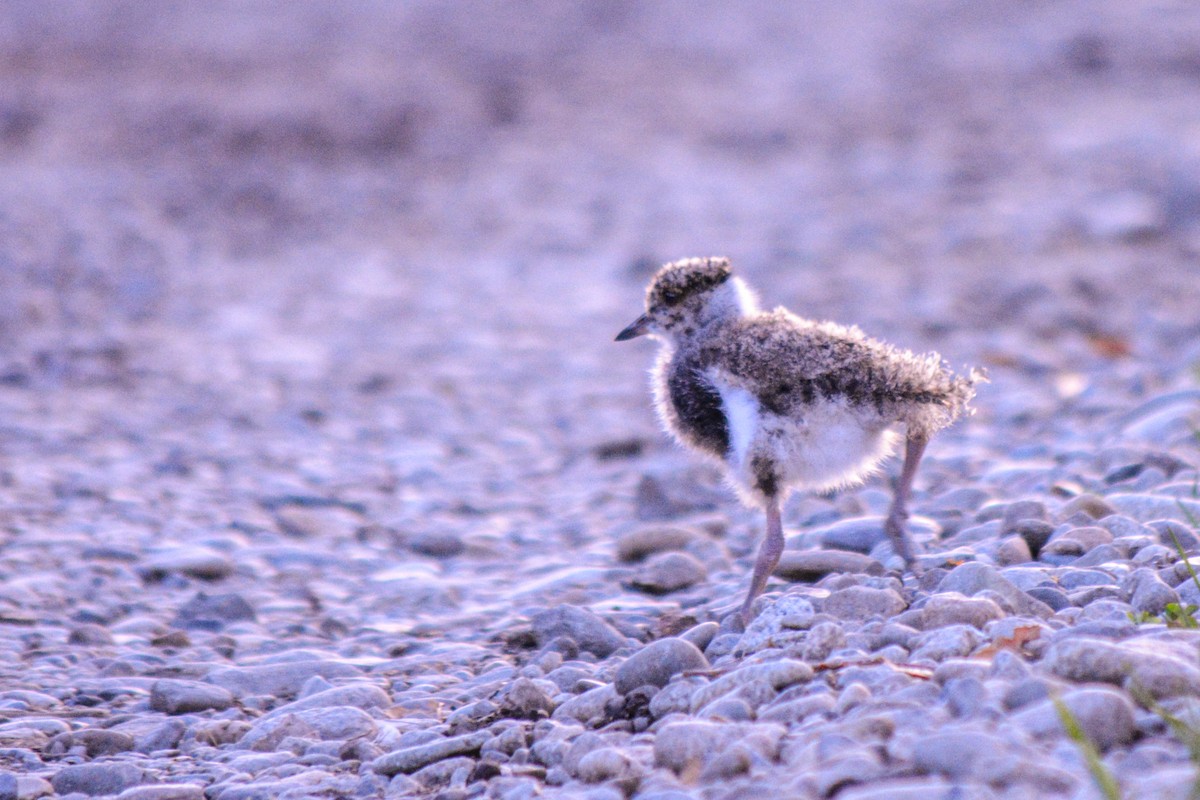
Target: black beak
639,327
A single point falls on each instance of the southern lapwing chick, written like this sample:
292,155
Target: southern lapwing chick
786,403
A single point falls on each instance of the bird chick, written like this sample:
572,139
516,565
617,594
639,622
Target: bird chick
787,403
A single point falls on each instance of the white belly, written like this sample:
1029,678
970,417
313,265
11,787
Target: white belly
831,446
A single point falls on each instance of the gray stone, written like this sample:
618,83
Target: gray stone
436,544
776,674
186,697
97,778
1147,666
164,736
664,573
1013,550
862,534
863,602
656,663
164,791
193,561
778,624
1147,591
701,635
90,634
525,699
951,608
955,753
689,745
8,786
580,624
639,543
973,577
809,566
213,612
910,789
587,706
359,695
1104,714
284,679
949,642
412,759
1055,599
1147,507
334,722
606,764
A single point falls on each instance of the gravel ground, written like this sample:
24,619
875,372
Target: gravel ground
320,475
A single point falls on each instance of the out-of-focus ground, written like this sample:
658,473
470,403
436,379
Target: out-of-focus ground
375,253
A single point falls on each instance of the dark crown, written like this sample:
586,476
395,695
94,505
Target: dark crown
679,280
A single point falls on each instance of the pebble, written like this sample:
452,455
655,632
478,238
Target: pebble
1142,668
277,680
213,612
658,662
186,697
951,608
973,577
664,573
640,543
588,631
170,791
1104,714
862,534
809,566
97,778
863,602
203,563
412,759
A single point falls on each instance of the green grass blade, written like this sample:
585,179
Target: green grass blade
1105,782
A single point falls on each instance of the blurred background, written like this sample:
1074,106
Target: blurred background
379,250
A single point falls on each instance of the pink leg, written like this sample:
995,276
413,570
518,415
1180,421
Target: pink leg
894,526
768,557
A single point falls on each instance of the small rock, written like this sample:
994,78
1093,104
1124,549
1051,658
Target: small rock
213,612
955,753
863,602
1013,550
606,764
668,572
411,759
580,624
436,544
775,674
164,791
690,745
950,608
524,699
809,566
164,736
97,778
103,742
973,577
861,534
1035,533
195,562
640,543
656,663
1143,666
949,642
587,706
1095,507
779,624
701,635
359,695
331,723
1148,593
186,697
90,634
1145,507
1104,714
277,680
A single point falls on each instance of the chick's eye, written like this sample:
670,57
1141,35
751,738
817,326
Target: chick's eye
672,296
